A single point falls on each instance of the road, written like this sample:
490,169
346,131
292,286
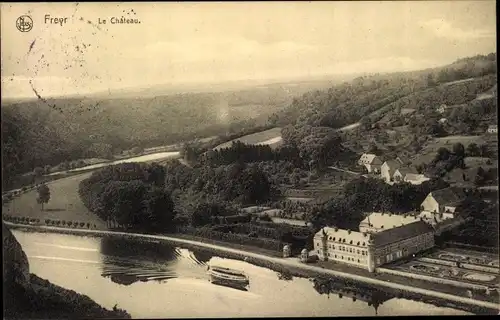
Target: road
286,262
347,171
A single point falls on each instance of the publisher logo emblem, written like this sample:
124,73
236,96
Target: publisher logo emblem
24,23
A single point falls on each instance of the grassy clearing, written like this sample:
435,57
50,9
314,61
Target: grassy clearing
64,204
429,151
271,137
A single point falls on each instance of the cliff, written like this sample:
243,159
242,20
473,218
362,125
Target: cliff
27,296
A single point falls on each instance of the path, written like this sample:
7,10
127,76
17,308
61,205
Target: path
343,170
291,263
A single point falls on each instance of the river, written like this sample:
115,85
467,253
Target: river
157,280
143,158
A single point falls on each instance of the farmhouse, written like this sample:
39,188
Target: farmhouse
401,173
370,250
441,205
371,162
388,169
380,221
493,128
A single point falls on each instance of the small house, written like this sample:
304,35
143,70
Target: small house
388,169
401,173
443,202
492,128
371,162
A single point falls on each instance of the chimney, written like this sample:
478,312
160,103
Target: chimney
381,227
335,229
349,231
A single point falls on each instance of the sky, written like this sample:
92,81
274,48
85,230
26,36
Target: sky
213,42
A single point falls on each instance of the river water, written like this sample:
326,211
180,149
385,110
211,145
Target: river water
143,158
157,280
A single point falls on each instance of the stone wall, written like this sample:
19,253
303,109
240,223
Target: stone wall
431,279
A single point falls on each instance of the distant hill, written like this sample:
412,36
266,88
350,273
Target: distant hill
48,131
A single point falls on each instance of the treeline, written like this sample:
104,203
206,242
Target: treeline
318,147
246,153
238,182
131,195
371,195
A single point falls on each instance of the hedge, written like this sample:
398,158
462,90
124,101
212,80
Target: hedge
208,233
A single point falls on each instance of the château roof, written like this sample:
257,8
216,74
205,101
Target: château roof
381,220
402,232
345,236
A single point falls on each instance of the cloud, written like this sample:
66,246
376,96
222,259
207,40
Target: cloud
443,29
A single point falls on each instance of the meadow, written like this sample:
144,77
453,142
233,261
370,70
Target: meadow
271,137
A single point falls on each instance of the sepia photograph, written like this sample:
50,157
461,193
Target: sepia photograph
249,159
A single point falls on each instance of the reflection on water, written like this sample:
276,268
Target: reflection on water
155,280
373,298
126,261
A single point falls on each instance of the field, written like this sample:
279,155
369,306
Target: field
429,151
272,137
64,204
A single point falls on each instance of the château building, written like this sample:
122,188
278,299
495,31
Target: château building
371,250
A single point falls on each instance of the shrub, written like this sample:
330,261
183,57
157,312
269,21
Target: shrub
88,225
82,224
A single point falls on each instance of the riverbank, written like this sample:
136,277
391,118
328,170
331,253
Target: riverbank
400,286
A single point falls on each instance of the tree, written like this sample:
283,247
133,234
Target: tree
159,210
43,195
473,150
484,150
442,154
373,148
459,150
38,172
137,150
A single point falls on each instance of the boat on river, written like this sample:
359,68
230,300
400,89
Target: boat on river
228,277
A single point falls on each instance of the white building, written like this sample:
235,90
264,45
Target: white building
440,205
370,250
493,128
388,169
371,162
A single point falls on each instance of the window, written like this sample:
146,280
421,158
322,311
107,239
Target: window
350,242
358,243
318,251
362,253
342,257
335,256
358,261
350,249
343,240
357,251
363,244
333,238
333,246
328,253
